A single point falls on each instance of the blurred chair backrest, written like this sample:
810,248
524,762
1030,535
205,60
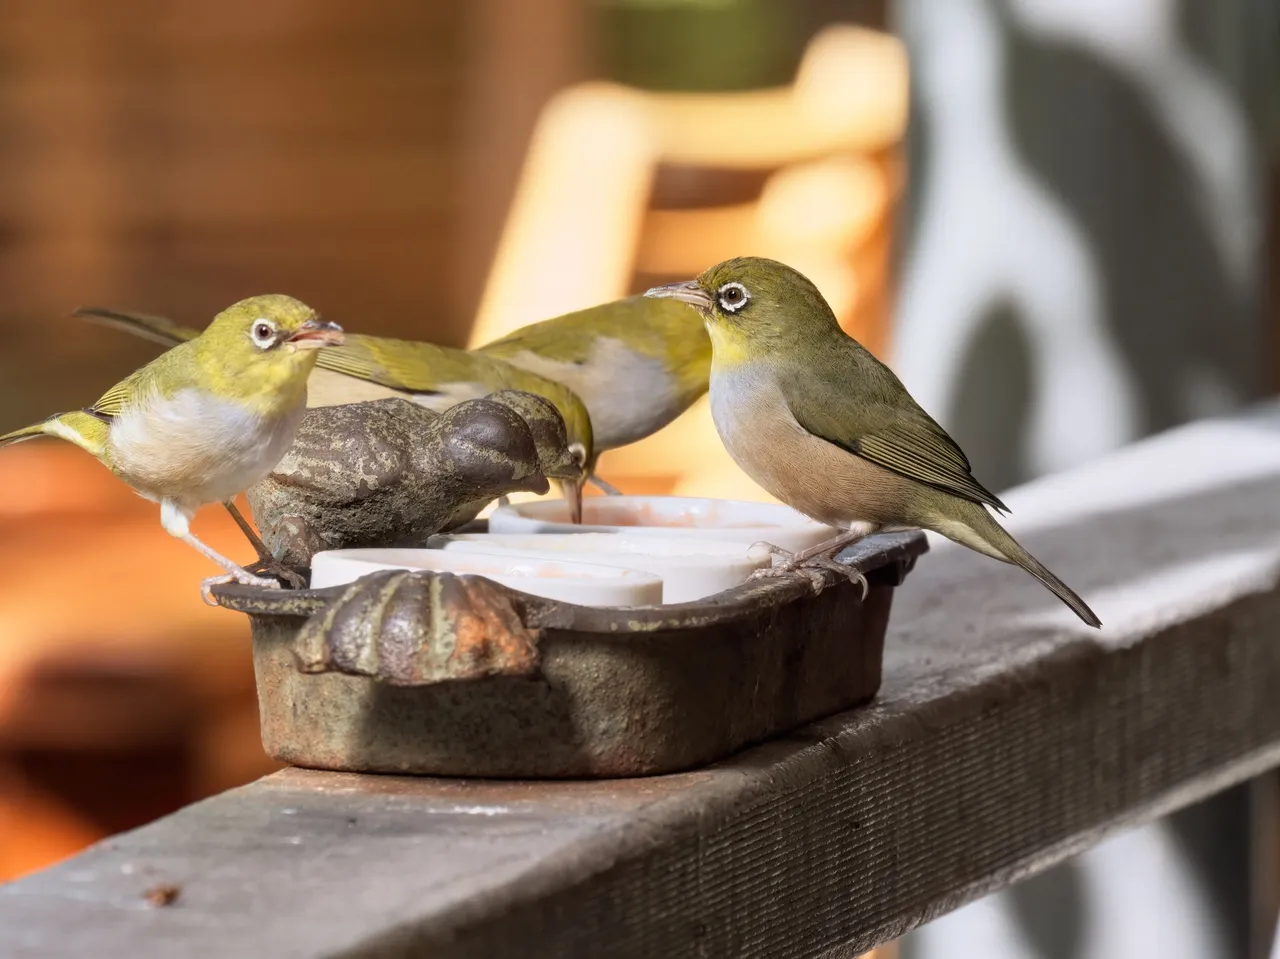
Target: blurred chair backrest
585,223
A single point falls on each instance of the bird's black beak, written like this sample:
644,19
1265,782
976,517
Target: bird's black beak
687,291
313,334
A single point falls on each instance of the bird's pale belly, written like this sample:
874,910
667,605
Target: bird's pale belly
809,474
628,395
194,448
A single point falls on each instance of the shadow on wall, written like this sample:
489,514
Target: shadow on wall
1054,177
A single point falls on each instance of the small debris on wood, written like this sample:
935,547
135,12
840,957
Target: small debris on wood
164,894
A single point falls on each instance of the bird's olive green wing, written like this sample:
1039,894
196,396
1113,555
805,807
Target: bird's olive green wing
898,437
421,368
450,376
113,401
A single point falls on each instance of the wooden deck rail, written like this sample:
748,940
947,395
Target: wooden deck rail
1006,738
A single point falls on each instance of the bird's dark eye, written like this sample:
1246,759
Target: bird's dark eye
733,297
263,333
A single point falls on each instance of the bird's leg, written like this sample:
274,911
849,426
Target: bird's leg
816,560
177,523
250,533
234,571
605,487
829,548
266,562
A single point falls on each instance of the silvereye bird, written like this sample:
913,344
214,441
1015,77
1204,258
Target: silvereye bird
824,426
637,363
207,419
437,377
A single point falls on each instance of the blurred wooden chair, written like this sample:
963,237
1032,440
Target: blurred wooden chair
588,219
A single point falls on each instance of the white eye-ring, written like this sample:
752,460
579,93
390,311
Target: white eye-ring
733,296
578,452
263,333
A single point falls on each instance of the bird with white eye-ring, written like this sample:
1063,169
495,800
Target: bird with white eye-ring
733,296
206,420
829,430
263,333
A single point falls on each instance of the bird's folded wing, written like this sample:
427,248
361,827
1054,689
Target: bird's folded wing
113,401
420,368
917,448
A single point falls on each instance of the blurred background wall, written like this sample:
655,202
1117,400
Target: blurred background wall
176,157
180,156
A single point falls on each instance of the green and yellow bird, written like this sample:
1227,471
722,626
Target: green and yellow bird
635,364
207,419
368,368
828,429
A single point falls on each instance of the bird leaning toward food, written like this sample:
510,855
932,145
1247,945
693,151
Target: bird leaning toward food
369,368
828,429
637,363
207,419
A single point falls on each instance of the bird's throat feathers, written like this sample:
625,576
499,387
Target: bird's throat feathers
268,387
731,346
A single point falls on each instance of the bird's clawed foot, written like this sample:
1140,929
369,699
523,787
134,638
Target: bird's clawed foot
273,567
243,576
815,566
266,563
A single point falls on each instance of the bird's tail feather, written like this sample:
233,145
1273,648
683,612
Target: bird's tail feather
78,427
154,328
979,530
26,433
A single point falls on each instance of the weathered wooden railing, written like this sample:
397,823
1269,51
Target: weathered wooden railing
1006,737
